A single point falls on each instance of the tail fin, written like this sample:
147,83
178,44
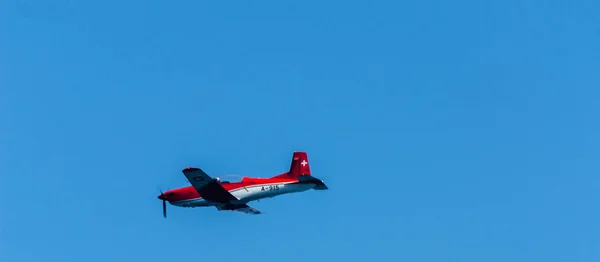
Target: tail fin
299,166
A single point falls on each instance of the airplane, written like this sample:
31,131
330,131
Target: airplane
206,191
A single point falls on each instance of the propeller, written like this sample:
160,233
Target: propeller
164,204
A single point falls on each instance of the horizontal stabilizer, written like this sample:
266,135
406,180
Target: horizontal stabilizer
306,179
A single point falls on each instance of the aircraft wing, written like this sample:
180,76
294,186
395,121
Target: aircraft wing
206,186
243,208
247,209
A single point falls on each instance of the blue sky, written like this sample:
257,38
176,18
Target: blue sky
446,131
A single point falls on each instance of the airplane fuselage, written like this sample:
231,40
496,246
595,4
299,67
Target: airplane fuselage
249,189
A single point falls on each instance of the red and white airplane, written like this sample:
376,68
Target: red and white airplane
234,196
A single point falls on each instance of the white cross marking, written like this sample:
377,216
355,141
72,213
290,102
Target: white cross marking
303,163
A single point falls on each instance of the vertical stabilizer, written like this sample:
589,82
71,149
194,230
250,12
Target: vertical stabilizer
298,167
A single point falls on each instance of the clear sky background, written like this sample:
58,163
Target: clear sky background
446,130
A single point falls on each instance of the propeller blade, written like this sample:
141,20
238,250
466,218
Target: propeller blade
164,203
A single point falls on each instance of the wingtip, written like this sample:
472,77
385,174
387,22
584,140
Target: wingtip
189,169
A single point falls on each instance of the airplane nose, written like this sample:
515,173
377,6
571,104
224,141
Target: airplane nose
163,196
166,196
